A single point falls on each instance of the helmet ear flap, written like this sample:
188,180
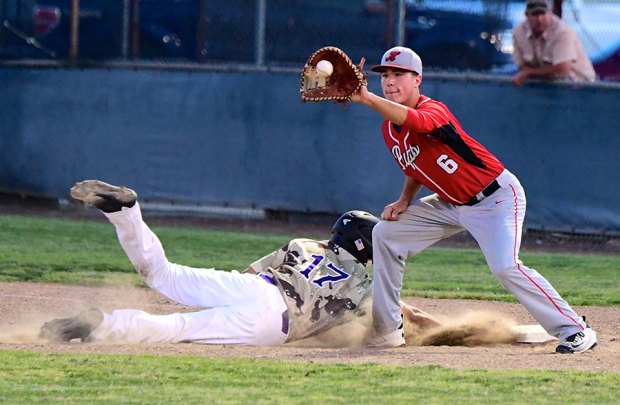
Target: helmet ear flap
353,233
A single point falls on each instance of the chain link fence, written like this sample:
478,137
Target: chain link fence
448,34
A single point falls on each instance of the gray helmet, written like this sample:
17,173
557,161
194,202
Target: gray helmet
353,233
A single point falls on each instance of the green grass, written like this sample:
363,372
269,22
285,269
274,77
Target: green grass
88,378
87,252
463,273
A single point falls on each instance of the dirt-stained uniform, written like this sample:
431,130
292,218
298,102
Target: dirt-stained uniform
302,289
322,287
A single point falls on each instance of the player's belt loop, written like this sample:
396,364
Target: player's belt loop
488,190
268,279
285,322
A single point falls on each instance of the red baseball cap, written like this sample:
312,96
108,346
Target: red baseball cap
400,57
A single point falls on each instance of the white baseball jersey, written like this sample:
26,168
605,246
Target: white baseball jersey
322,287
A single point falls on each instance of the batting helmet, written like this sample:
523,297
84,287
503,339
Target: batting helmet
353,233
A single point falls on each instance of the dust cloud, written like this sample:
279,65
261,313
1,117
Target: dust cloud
471,329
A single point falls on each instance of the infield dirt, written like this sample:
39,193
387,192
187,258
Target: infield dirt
25,306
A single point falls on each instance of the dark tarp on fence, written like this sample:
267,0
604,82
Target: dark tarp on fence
244,139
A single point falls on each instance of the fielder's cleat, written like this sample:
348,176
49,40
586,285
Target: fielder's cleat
578,343
66,329
106,197
388,340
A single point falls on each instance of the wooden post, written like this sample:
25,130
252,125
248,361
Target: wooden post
259,35
402,26
74,39
389,24
201,32
135,28
3,16
126,25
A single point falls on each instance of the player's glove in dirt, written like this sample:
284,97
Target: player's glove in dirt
345,80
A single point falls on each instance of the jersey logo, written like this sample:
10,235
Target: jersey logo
318,260
392,56
407,158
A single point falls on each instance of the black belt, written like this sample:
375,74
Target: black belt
272,281
488,190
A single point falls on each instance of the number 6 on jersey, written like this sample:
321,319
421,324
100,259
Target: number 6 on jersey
447,164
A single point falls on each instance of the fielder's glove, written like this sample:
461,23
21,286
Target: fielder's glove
344,81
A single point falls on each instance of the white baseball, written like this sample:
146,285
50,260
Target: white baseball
324,68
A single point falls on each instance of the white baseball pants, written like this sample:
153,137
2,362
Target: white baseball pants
237,308
496,224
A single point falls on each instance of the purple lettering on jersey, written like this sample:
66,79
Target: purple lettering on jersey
317,260
341,275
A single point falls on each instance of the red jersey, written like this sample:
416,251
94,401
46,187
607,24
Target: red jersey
435,151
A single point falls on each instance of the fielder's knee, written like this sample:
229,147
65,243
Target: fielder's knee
501,271
379,233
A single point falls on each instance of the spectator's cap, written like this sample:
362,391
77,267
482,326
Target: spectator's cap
400,57
536,6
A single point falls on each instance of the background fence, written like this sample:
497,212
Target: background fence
195,104
243,139
448,34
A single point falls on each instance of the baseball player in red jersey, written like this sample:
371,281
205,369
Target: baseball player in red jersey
473,191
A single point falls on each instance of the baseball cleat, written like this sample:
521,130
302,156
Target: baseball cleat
388,340
104,196
66,329
578,343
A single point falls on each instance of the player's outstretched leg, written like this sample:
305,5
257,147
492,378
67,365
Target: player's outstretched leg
66,329
104,196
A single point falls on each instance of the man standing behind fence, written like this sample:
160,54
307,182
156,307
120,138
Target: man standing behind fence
545,47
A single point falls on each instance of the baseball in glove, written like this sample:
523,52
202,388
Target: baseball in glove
339,85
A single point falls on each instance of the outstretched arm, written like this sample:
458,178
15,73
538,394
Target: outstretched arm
390,110
393,112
